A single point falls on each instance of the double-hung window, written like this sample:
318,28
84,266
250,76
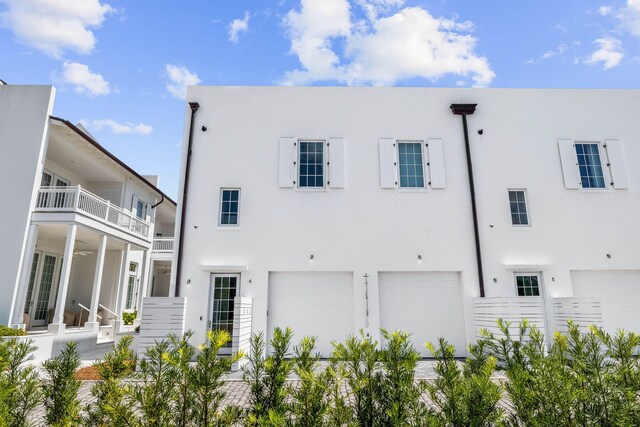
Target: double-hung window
311,164
518,207
528,284
229,207
410,164
590,165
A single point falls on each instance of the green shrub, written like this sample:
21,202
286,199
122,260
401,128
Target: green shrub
129,317
112,405
19,383
6,331
60,388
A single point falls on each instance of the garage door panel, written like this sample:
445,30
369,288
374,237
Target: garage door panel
427,305
618,293
312,304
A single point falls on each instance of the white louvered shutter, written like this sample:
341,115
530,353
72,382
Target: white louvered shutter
569,162
336,163
436,163
617,164
388,169
287,166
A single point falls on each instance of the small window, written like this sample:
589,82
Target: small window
311,164
229,207
133,267
410,165
518,204
528,284
140,209
590,165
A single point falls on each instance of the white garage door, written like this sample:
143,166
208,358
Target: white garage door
312,304
428,305
618,292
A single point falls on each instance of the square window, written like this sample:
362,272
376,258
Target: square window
518,207
410,168
310,162
590,165
528,284
229,207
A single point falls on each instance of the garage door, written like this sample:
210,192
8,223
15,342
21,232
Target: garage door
618,292
428,305
312,304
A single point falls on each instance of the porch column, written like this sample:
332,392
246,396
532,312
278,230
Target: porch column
58,326
17,310
93,324
144,277
121,291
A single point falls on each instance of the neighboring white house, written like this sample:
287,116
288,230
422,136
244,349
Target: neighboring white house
332,210
78,224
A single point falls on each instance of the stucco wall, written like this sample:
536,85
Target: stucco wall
24,116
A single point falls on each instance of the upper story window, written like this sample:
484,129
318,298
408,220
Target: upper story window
311,164
410,165
140,209
518,205
590,165
229,206
528,284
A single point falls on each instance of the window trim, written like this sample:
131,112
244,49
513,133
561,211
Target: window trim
526,205
537,274
237,224
604,165
325,167
426,184
210,304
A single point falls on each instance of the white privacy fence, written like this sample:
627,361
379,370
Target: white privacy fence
582,311
242,312
161,316
77,199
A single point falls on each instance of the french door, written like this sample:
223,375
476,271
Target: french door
224,288
42,287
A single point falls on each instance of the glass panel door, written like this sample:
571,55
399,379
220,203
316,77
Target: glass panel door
45,287
61,198
32,281
223,292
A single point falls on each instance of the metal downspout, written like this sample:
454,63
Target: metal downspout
194,108
464,110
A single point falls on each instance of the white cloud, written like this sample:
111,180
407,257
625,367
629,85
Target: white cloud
629,17
84,81
118,128
53,26
179,78
382,50
238,26
604,10
609,52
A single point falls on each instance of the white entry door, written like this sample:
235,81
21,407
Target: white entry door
222,294
426,304
43,283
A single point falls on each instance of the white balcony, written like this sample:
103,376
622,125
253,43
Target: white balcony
78,200
164,244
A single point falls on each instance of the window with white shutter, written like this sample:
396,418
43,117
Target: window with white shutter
569,162
311,163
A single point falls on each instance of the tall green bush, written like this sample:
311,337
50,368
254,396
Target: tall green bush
19,382
60,388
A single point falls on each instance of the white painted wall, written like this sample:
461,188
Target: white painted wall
24,117
365,229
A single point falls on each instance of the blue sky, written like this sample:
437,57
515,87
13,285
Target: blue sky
121,67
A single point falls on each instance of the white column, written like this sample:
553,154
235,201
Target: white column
144,277
121,293
58,326
93,323
17,309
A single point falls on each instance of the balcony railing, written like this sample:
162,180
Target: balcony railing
163,244
77,199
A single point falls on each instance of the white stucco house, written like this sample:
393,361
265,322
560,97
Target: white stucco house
85,237
332,210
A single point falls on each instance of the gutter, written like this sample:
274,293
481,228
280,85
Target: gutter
465,110
185,192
